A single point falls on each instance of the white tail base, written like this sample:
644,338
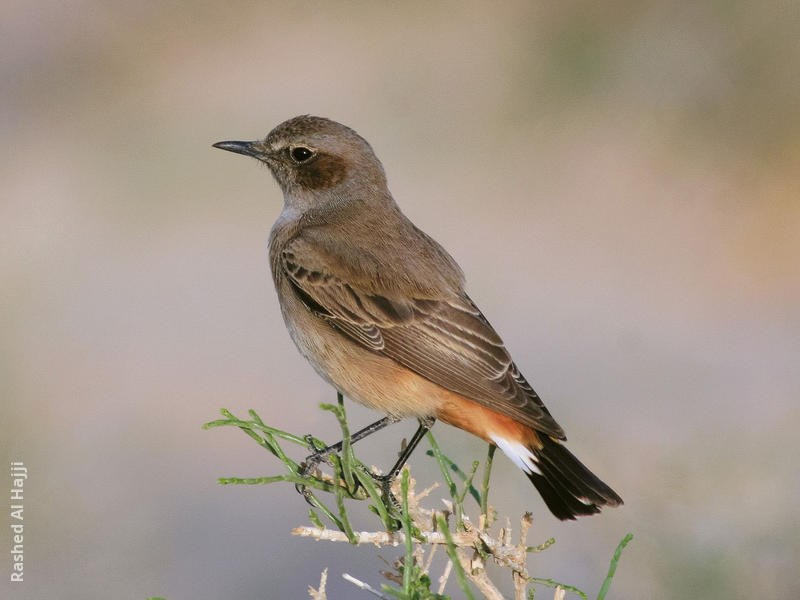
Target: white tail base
519,454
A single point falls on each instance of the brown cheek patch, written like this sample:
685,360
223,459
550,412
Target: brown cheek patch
323,172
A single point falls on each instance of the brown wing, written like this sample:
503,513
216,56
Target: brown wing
446,340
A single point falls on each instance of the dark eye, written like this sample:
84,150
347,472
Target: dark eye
300,154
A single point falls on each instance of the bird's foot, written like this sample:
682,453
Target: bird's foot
385,485
311,463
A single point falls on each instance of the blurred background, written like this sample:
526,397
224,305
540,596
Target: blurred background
618,180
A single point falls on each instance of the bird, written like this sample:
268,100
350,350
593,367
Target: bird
379,309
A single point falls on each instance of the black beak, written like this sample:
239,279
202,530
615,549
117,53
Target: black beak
245,148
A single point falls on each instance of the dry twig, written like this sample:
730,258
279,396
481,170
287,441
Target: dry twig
474,544
319,593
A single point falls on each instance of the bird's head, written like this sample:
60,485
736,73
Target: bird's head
312,157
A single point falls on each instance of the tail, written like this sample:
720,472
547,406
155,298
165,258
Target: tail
568,488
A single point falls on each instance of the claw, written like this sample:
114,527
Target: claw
309,465
311,461
303,491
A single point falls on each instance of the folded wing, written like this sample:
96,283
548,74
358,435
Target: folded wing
445,338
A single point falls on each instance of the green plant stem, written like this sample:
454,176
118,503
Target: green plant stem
339,492
453,554
443,466
468,481
554,584
612,568
541,547
457,470
314,518
306,481
487,472
315,502
347,449
366,481
406,519
231,420
270,437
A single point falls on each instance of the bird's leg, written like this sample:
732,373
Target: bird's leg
385,481
312,460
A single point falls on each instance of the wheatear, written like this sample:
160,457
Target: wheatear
379,309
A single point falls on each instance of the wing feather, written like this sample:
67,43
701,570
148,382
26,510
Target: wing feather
447,339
